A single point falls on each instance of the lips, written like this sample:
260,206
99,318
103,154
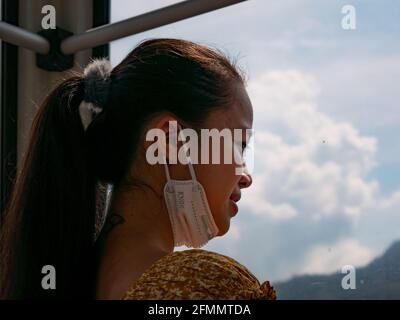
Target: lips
235,197
234,208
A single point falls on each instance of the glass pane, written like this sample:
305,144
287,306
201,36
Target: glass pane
321,219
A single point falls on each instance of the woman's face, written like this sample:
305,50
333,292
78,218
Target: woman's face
221,181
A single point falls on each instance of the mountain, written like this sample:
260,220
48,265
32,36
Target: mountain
378,280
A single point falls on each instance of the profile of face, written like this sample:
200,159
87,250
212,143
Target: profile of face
221,181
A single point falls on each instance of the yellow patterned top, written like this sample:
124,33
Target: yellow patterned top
198,274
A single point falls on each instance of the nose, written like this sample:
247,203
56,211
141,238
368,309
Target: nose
245,180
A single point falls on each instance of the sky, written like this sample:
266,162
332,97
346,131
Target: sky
326,187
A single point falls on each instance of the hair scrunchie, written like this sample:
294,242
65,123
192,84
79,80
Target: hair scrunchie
96,77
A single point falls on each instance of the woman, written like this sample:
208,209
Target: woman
92,129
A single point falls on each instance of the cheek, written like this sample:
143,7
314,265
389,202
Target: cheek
218,181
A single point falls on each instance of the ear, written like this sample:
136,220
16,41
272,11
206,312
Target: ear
167,126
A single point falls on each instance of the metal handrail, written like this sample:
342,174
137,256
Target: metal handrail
23,38
157,18
104,34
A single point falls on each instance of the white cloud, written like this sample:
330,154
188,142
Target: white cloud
322,259
390,202
378,226
305,161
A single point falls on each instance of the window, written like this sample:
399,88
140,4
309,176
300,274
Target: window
326,193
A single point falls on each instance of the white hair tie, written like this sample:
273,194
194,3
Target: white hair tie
96,77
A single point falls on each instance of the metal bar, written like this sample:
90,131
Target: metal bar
23,38
160,17
8,112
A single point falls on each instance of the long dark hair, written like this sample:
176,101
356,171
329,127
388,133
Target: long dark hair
50,217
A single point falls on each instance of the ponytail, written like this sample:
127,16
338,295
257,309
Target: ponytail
50,217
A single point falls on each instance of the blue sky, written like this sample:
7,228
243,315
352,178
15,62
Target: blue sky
314,206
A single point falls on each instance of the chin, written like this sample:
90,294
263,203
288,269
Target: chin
223,219
223,227
222,232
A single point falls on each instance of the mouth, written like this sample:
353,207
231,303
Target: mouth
234,198
234,208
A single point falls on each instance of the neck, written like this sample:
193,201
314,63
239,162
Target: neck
137,233
143,220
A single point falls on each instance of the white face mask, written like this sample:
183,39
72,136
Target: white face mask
192,222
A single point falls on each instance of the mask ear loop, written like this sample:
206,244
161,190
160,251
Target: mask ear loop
191,169
166,168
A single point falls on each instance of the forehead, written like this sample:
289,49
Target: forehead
237,115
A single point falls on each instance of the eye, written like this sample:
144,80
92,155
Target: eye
241,145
